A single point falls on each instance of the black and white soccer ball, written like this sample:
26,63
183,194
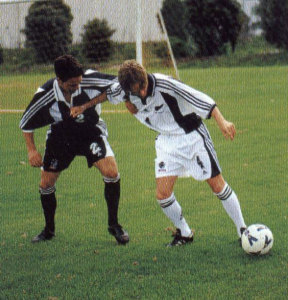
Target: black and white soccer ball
257,239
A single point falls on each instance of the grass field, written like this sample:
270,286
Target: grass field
84,262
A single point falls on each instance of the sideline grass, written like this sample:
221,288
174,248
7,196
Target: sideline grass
83,262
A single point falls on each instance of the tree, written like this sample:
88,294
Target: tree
48,29
174,15
1,55
96,41
213,24
274,21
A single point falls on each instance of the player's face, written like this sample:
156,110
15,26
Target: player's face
139,90
71,85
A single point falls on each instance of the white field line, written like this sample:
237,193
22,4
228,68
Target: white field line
104,111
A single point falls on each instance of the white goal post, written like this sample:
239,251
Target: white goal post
138,37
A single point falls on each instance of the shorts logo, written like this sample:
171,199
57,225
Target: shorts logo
53,164
96,150
162,167
200,163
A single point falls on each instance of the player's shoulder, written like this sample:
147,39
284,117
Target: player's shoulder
159,77
165,81
45,88
48,85
94,74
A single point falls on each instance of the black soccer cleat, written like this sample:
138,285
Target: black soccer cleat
119,233
180,240
45,235
242,229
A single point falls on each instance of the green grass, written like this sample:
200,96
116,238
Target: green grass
84,262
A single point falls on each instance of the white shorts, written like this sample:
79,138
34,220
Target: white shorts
186,155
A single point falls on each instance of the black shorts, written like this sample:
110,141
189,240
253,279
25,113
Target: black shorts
61,150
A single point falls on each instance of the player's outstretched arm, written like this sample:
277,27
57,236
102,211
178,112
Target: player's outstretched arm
34,157
77,110
226,127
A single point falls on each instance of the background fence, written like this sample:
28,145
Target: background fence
120,15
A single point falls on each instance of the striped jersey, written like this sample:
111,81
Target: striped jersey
170,107
49,106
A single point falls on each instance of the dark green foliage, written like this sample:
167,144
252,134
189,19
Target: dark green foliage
173,12
1,55
97,45
174,15
48,29
213,24
274,21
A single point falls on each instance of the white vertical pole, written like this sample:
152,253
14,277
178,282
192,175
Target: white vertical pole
139,32
169,45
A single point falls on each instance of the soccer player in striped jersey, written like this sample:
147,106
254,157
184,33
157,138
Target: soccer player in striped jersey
68,137
183,146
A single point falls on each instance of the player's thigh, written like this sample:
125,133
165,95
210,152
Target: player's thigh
165,186
58,153
107,166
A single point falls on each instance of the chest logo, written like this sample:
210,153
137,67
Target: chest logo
80,118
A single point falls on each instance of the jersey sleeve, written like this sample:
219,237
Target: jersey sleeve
37,113
94,80
115,94
201,103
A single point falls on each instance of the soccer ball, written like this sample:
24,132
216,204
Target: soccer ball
257,239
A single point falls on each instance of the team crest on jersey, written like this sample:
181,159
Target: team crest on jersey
53,164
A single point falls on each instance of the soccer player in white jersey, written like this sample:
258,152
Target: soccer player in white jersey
183,146
68,137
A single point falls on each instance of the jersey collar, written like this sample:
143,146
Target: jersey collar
59,95
151,85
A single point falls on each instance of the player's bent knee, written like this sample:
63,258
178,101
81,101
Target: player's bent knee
111,179
47,190
162,195
111,174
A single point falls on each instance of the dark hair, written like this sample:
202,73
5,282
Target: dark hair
66,67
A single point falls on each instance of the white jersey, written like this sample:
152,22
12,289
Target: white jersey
171,107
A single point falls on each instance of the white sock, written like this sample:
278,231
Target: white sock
173,211
232,207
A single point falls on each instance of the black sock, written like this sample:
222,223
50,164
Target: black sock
112,196
49,207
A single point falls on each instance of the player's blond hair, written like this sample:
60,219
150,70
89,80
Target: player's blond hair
130,73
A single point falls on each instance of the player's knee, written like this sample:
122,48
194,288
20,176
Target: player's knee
111,173
112,179
163,194
47,190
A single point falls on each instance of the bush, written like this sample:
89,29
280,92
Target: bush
48,29
274,21
174,15
212,24
1,55
96,42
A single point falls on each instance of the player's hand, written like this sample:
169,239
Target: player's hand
35,159
228,129
76,110
131,107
